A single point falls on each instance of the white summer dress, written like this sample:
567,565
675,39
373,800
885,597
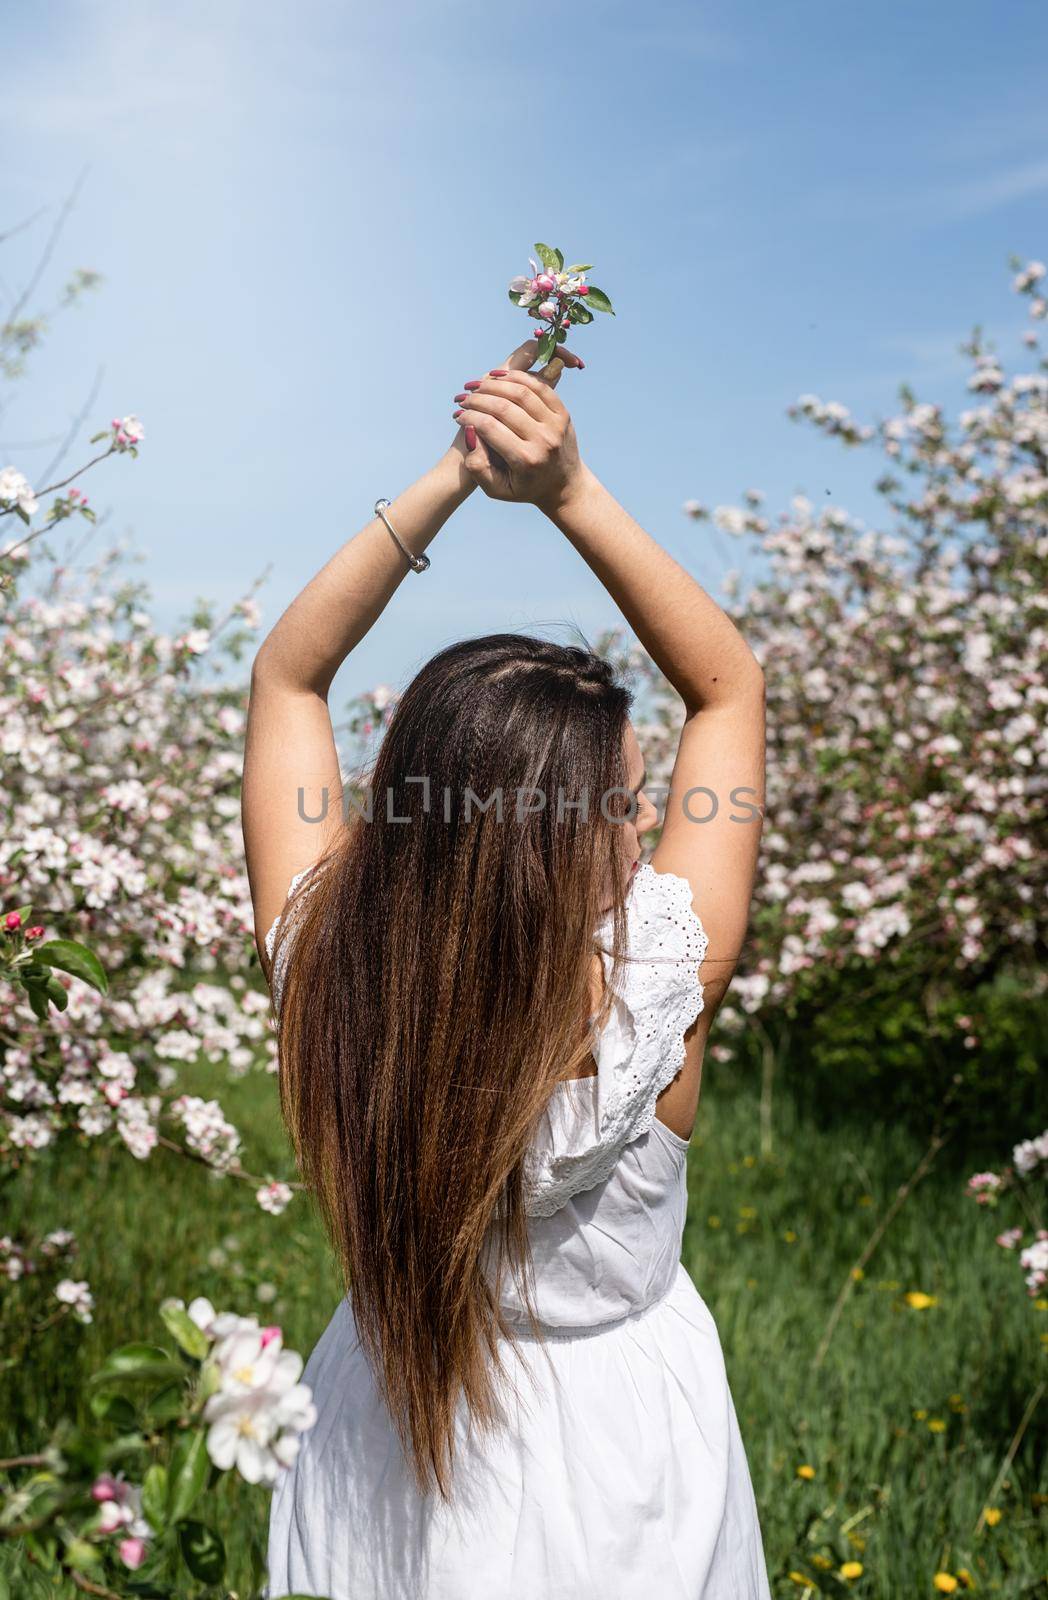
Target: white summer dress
621,1474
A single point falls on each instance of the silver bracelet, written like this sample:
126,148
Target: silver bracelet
417,563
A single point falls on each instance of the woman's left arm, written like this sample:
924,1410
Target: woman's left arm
291,770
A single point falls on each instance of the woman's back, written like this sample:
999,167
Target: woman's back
617,1469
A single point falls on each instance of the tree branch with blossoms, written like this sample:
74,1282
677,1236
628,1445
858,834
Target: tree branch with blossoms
558,297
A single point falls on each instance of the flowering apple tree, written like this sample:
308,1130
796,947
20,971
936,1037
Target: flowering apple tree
117,1507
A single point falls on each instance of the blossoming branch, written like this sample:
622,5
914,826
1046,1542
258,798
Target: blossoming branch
557,296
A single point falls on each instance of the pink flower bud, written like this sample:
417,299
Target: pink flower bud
133,1552
269,1334
34,933
104,1488
12,922
583,288
548,308
544,283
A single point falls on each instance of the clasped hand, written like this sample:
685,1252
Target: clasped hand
517,438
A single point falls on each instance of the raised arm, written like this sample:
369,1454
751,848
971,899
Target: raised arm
291,770
714,810
711,832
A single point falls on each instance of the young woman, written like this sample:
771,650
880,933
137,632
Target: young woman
492,1017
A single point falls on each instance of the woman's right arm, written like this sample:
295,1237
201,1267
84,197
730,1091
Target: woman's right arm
714,812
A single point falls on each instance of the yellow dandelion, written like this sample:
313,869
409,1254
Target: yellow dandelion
945,1582
822,1562
919,1416
966,1577
799,1577
851,1569
806,1472
748,1211
713,1222
1040,1305
790,1236
992,1516
936,1425
857,1274
749,1161
919,1301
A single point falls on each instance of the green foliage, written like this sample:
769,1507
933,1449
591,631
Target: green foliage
790,1223
599,301
551,259
909,1037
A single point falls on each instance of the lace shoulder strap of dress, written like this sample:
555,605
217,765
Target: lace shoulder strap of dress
279,964
655,998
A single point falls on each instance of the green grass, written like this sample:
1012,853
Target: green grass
770,1241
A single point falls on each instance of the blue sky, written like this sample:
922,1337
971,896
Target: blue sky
306,217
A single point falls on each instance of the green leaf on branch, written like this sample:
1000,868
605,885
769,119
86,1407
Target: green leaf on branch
136,1361
547,345
181,1327
582,266
57,994
154,1496
187,1474
598,300
38,1000
116,1409
166,1403
580,315
77,960
202,1551
551,259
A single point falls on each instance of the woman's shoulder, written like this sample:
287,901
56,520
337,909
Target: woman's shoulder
655,997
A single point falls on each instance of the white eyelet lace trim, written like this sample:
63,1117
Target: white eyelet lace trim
658,999
276,981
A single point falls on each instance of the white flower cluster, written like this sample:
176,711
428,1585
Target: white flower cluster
207,1131
1030,1153
1034,1262
15,492
259,1408
76,1293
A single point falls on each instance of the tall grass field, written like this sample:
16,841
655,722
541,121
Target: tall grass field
908,1461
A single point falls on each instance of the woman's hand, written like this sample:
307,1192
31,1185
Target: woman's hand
519,439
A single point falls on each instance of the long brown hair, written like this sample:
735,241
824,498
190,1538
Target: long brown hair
436,990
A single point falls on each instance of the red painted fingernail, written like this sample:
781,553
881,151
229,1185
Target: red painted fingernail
497,372
461,397
471,438
456,414
474,383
